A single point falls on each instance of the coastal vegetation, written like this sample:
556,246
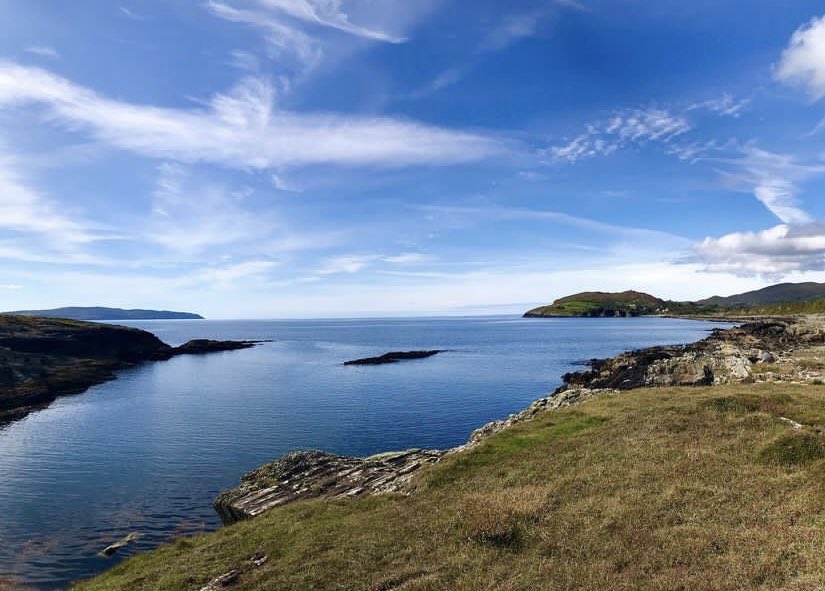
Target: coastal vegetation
667,488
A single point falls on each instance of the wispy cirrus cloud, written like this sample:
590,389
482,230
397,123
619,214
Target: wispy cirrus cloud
358,262
242,128
523,25
43,51
623,129
726,105
326,13
773,179
301,32
284,42
24,209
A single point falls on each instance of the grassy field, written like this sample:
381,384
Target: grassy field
693,489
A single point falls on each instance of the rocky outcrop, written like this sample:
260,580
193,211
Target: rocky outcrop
43,358
315,474
727,356
394,357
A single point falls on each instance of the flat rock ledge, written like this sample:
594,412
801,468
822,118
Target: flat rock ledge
316,474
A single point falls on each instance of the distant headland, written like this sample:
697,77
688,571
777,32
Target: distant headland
784,298
101,313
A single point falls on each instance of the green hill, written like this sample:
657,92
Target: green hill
595,304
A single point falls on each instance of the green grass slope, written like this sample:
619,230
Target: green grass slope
700,489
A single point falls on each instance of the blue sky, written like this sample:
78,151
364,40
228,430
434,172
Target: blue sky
304,158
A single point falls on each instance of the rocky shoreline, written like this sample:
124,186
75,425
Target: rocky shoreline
42,359
768,349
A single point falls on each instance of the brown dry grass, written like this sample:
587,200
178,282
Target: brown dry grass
693,489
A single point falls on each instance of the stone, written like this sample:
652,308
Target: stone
113,549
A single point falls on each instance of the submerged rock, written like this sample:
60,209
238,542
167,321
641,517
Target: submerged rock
394,357
112,549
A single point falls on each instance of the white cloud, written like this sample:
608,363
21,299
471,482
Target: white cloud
803,60
327,13
770,253
633,238
284,42
229,275
24,209
300,33
346,264
726,105
191,216
356,263
43,51
625,128
773,180
523,25
407,258
241,129
514,28
282,184
131,14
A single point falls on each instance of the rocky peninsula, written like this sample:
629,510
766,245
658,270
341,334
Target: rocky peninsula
44,358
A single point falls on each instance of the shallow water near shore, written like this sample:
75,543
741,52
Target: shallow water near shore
149,451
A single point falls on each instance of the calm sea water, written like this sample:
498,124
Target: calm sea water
149,451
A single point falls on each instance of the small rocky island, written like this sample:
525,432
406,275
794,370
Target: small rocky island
394,357
44,358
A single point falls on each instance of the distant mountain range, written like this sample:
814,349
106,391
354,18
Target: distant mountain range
99,313
785,298
775,294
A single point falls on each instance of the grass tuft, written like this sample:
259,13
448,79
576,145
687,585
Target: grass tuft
796,449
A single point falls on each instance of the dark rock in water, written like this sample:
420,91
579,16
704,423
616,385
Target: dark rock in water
394,357
313,474
43,358
201,346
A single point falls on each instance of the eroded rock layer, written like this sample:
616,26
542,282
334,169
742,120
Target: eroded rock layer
313,474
